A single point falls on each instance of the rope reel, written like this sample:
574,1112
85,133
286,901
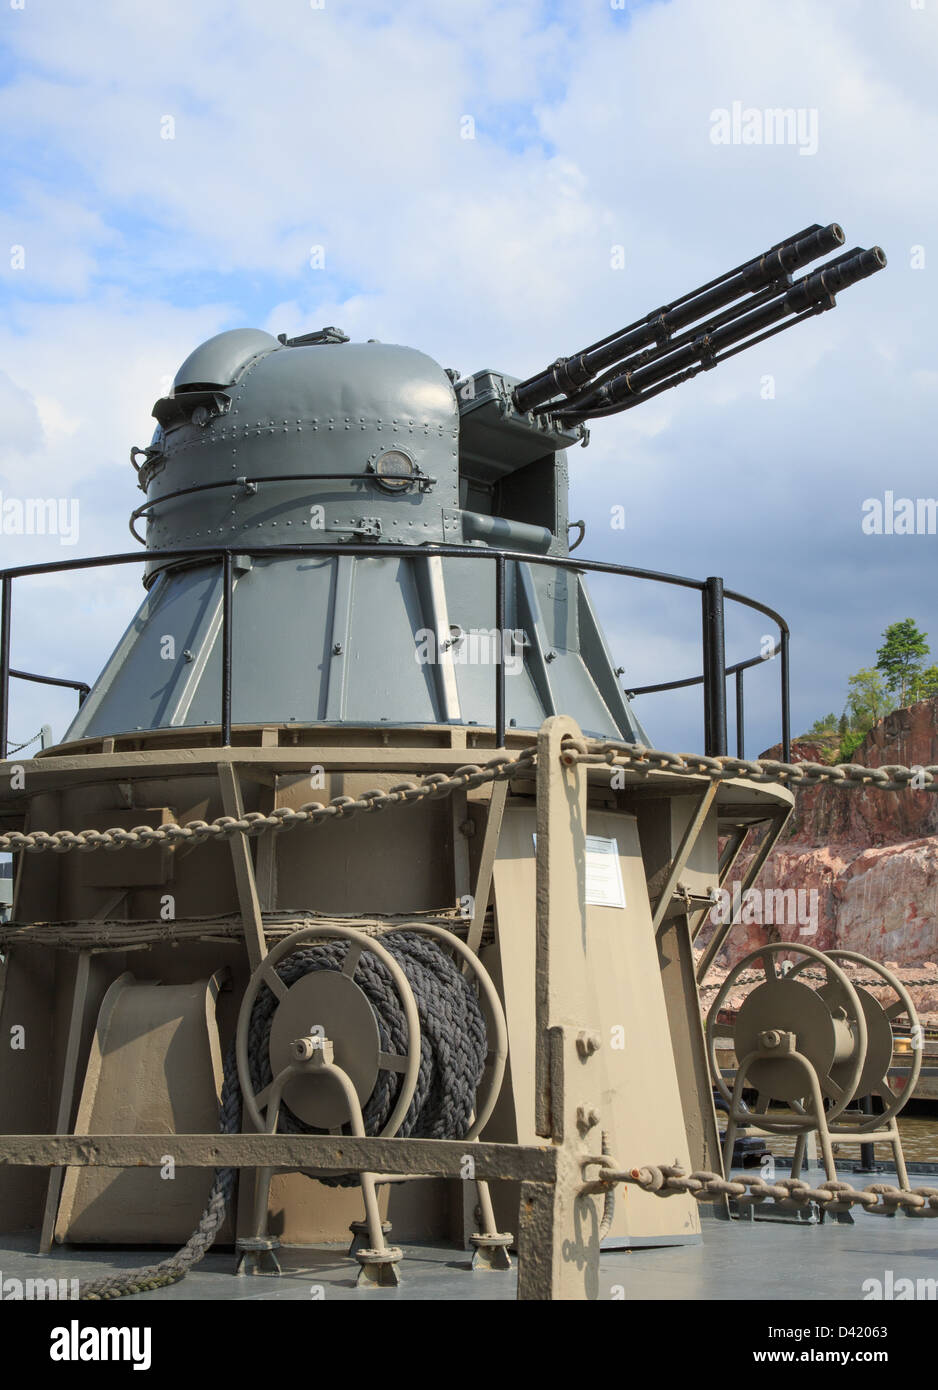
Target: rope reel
405,1025
406,988
841,1029
784,1023
881,1038
815,1050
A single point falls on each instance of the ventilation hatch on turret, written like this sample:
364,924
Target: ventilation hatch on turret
221,360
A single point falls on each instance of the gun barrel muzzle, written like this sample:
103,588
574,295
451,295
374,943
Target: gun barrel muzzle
570,376
674,363
837,276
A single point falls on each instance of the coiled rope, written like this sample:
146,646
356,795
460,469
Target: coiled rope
453,1048
452,1035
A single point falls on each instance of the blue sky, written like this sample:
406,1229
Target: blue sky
341,127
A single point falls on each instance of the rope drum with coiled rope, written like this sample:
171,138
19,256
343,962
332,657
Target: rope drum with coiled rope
453,1047
452,1036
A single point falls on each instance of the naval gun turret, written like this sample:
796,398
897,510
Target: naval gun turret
314,440
318,441
360,599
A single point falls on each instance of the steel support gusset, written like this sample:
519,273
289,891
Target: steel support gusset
715,944
684,851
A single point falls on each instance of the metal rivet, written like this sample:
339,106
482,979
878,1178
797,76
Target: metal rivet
588,1043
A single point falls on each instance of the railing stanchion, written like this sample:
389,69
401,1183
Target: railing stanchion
226,650
740,716
706,677
786,700
714,669
500,623
6,609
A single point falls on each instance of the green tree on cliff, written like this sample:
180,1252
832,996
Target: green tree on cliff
899,678
827,725
925,684
867,700
900,657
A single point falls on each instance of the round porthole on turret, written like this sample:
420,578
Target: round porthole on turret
395,471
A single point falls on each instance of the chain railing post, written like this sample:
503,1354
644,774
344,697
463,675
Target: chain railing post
6,609
500,675
568,1074
714,652
786,699
705,650
226,650
740,716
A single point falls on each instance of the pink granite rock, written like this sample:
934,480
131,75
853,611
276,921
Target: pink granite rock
870,859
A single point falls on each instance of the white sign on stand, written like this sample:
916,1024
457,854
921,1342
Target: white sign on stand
603,873
604,887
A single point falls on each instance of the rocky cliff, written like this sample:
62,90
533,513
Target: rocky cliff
867,862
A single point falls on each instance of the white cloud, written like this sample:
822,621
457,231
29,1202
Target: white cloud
22,428
297,127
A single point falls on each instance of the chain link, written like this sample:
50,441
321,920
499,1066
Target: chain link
791,1194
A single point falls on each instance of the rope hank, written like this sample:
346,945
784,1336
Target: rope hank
453,1049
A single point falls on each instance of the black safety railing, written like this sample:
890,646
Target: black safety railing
713,602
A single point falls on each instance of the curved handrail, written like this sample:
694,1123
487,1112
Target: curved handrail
378,548
223,554
633,691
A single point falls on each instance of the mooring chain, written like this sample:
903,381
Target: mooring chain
18,748
666,1179
591,752
254,823
891,778
751,977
